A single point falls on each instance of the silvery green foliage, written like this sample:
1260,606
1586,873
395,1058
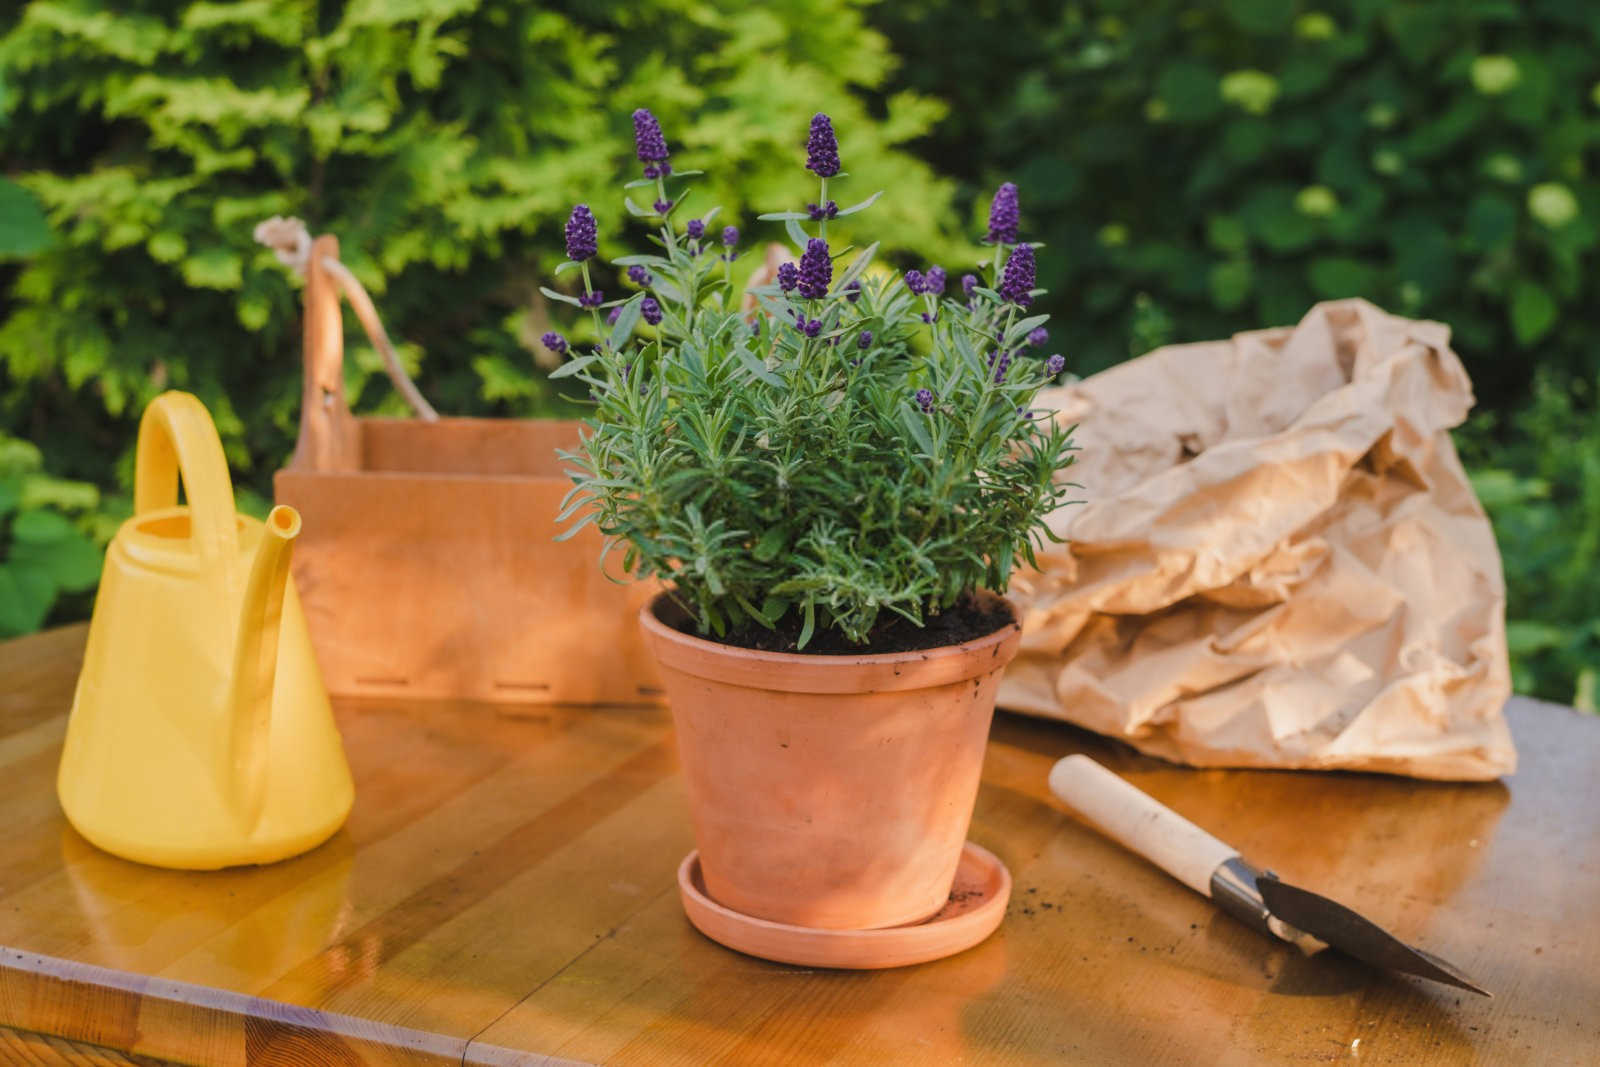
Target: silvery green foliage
886,464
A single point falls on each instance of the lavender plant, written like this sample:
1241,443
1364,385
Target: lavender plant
854,447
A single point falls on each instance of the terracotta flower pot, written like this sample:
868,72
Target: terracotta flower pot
831,792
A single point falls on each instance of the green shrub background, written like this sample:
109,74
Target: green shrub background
1203,168
1195,169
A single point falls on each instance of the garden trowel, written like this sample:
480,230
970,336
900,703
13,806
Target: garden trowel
1211,868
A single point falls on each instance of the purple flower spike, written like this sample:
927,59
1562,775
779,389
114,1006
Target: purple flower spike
933,283
652,171
614,314
822,148
1038,336
555,343
822,211
930,316
696,229
1017,284
639,276
583,239
852,292
650,311
662,207
916,282
812,328
969,282
1004,216
1002,365
592,300
1055,365
865,340
730,236
788,276
925,400
816,270
647,139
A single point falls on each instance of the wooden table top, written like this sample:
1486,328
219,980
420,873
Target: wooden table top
505,891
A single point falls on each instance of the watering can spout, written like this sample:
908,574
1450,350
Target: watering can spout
255,661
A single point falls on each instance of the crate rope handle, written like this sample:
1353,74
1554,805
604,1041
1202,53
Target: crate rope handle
291,243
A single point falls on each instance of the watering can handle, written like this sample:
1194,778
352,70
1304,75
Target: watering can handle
178,439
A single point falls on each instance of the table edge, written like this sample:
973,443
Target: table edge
166,1018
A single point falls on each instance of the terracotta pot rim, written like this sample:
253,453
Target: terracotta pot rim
799,672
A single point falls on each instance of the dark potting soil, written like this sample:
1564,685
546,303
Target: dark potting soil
967,620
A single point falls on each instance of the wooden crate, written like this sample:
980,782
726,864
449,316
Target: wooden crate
428,564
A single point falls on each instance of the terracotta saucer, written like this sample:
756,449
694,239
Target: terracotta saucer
976,906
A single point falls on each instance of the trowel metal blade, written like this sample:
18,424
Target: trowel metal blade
1356,936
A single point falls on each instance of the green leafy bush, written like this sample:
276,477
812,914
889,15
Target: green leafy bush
48,538
440,140
1199,169
1542,490
1240,160
857,445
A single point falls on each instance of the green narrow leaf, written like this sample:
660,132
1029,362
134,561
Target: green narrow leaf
810,626
635,209
774,607
912,418
771,543
857,267
1022,327
758,368
627,319
751,610
782,216
796,234
562,297
572,531
572,366
570,264
868,202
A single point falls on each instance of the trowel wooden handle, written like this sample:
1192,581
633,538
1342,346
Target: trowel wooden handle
1139,822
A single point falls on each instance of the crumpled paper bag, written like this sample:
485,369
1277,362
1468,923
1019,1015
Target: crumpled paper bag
1280,562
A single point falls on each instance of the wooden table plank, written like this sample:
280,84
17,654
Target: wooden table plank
505,891
23,1048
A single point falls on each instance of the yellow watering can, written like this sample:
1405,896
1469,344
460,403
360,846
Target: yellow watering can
201,735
